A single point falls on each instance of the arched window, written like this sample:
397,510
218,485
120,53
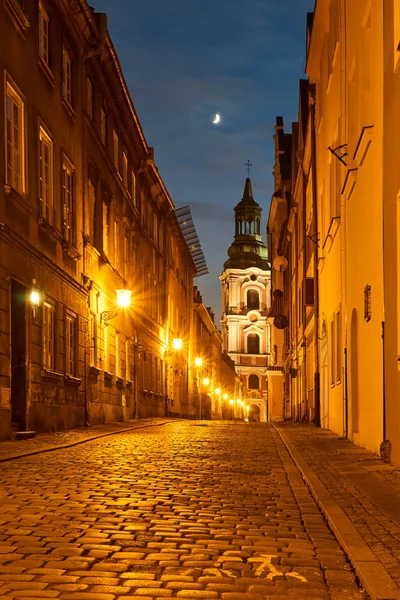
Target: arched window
253,344
254,382
253,299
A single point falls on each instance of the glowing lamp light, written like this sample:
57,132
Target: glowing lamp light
225,396
34,297
231,402
198,361
218,391
177,343
124,298
206,381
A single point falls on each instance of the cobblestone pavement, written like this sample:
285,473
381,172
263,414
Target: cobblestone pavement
365,488
187,510
62,439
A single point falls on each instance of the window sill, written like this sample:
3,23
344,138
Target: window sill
71,380
70,250
49,375
47,71
20,19
49,229
17,199
94,370
108,376
119,381
128,383
68,108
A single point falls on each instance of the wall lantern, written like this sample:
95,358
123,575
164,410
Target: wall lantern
177,343
124,298
206,381
123,301
225,396
198,361
34,296
218,391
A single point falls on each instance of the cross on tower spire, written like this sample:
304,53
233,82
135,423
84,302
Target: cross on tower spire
248,165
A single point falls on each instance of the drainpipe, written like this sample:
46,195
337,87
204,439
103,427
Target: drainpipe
317,398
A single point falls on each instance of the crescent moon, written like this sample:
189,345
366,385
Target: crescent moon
217,119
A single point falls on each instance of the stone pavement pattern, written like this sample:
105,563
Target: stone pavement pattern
187,510
365,488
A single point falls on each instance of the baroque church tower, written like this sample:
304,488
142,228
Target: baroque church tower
246,299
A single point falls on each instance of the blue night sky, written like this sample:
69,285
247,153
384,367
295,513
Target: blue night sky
185,61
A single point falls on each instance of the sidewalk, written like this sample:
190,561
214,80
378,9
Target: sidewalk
360,497
46,442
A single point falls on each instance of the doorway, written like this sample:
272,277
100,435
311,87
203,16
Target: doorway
324,414
18,356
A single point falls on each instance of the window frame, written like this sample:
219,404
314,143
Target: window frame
66,76
43,36
253,336
67,166
16,99
116,151
70,344
250,387
46,141
103,126
48,336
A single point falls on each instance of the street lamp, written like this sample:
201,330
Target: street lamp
123,301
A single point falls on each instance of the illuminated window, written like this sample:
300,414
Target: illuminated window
93,340
115,243
103,126
253,344
43,35
106,366
106,216
70,344
67,203
45,175
127,361
49,313
66,76
89,98
117,355
115,150
254,382
15,140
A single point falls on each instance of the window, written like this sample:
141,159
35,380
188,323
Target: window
70,344
45,175
115,260
103,126
89,98
106,366
127,361
133,188
253,344
125,169
106,216
49,313
43,35
67,203
15,140
338,346
89,213
66,76
115,150
117,355
253,299
126,257
93,340
254,382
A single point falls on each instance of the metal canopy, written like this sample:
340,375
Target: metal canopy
187,227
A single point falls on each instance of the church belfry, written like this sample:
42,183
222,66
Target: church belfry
246,299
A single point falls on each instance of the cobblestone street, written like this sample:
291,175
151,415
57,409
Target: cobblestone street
189,510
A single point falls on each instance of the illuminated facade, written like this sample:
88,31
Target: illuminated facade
246,299
84,213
